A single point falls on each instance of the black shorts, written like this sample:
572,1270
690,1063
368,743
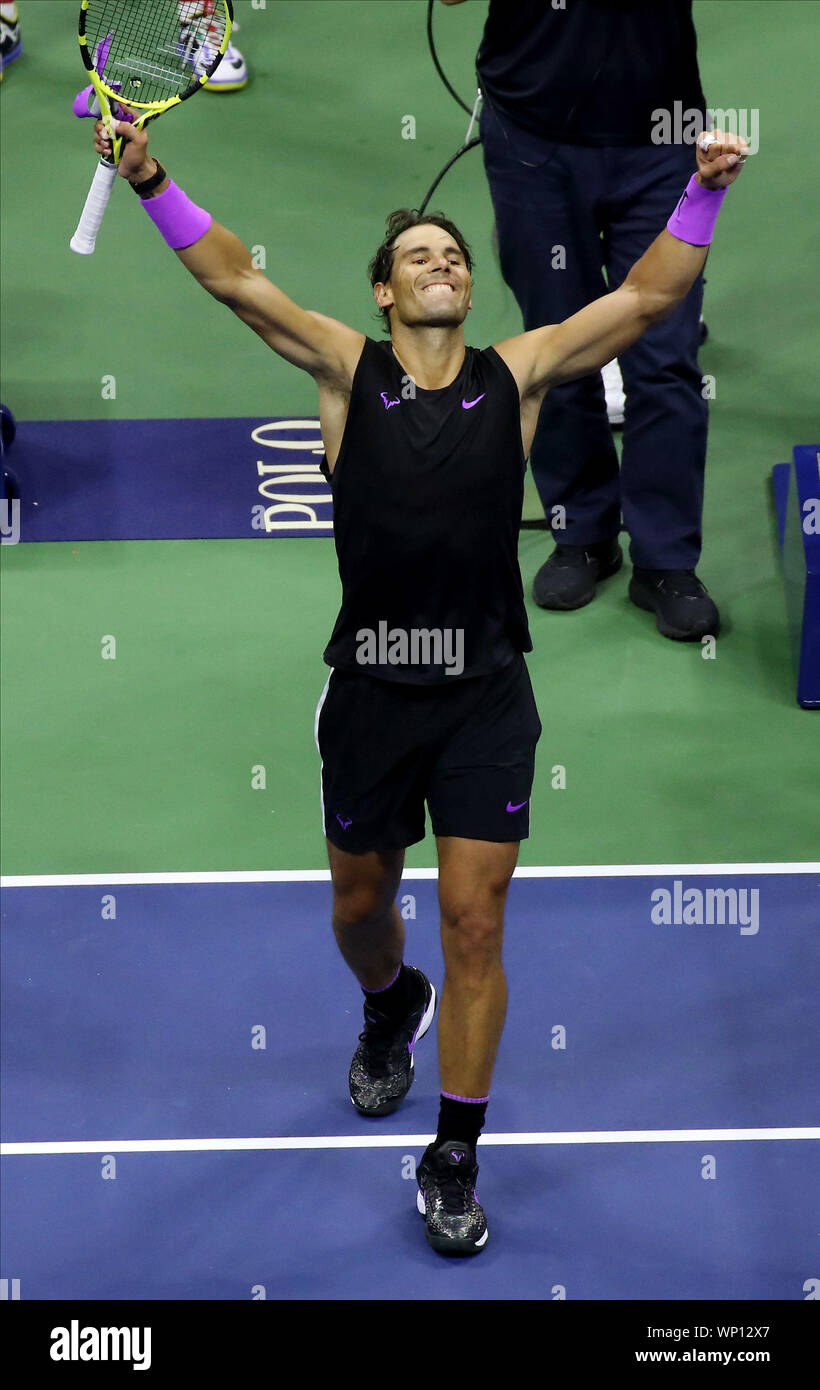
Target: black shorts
466,747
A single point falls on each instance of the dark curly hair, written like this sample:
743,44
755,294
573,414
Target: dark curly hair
381,266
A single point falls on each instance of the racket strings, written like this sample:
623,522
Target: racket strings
155,49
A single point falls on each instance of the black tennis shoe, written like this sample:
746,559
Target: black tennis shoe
381,1072
454,1221
568,578
682,606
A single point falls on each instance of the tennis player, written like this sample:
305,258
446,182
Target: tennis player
429,699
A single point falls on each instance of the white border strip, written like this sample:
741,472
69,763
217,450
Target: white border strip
323,875
400,1141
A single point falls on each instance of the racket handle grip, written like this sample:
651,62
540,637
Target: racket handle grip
85,237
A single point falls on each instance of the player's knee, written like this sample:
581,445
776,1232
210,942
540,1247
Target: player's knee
471,936
364,886
475,917
359,904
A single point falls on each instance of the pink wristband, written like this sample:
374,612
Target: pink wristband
695,216
180,221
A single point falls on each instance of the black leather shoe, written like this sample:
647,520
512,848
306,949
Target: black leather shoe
681,604
568,578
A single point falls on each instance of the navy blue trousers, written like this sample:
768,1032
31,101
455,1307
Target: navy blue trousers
605,207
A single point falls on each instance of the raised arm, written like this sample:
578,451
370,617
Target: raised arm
652,290
222,264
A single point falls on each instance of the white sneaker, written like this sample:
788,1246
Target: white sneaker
232,74
614,388
10,44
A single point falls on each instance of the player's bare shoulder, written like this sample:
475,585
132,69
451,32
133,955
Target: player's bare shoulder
341,348
521,356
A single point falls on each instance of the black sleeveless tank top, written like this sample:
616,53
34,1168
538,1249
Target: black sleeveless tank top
428,491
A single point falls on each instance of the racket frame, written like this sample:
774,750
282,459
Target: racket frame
102,185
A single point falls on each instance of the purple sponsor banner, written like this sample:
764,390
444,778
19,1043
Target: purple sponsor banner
90,480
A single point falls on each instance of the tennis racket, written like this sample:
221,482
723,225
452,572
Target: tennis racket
147,55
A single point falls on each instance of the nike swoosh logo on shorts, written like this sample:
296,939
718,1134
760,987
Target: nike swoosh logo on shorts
468,405
510,806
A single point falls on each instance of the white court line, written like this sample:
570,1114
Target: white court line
401,1141
323,875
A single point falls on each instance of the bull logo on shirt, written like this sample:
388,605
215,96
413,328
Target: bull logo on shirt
388,403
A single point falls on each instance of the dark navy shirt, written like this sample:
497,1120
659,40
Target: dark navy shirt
592,73
427,500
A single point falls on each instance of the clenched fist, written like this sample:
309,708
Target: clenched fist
720,158
135,162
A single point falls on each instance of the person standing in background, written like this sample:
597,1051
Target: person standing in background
571,95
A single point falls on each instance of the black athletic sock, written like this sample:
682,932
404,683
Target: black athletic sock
397,999
460,1119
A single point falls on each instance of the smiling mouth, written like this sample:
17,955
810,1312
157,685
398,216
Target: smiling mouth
439,285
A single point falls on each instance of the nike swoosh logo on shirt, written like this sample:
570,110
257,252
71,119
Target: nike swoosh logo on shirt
468,405
510,806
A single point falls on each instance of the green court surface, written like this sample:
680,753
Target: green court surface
144,763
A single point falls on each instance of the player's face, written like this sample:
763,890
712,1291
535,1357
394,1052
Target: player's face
429,283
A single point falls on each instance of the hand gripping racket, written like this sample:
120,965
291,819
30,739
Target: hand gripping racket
148,55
